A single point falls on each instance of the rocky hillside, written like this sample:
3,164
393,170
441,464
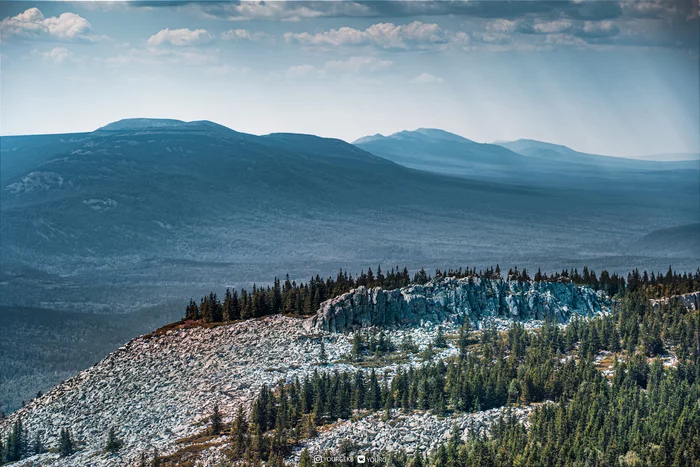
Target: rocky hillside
157,390
689,300
440,299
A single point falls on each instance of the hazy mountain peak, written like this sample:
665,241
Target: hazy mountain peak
429,134
535,143
369,139
423,134
441,134
141,123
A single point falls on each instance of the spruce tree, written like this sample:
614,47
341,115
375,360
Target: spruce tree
38,446
239,433
156,461
65,443
357,346
322,355
215,421
305,459
113,443
440,341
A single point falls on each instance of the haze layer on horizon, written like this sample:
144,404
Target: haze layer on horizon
617,78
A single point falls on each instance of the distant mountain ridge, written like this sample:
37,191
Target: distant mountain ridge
523,162
550,151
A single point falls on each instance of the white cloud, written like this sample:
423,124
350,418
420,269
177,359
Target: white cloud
302,71
283,11
245,35
31,24
500,25
427,78
180,37
162,56
338,69
600,29
357,64
228,70
57,55
415,35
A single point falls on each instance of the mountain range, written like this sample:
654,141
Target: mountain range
525,162
144,214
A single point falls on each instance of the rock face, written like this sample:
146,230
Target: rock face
690,300
445,298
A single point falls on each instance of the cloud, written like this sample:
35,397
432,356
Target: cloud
415,35
358,64
227,70
545,27
154,56
597,30
302,71
31,24
180,37
297,11
281,10
245,35
335,69
57,55
587,30
426,78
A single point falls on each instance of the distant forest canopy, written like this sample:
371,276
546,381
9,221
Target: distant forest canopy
290,297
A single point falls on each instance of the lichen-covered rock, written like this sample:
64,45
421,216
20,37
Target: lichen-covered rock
446,298
690,300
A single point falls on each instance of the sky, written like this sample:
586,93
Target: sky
616,78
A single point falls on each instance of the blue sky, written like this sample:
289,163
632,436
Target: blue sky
598,76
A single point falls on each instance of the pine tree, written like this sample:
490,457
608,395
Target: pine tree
156,461
374,391
440,341
357,346
65,443
113,444
305,459
310,426
16,445
417,460
239,433
38,446
215,421
322,355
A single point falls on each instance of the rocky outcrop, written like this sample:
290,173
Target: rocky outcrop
689,300
446,298
422,431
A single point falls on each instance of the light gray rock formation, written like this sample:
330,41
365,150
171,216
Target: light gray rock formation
447,298
689,300
423,431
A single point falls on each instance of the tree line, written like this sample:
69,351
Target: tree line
290,297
